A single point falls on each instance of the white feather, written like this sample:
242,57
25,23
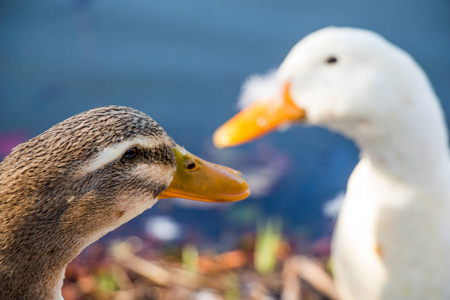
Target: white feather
260,86
114,152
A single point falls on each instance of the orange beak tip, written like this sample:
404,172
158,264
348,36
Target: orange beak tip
220,139
258,119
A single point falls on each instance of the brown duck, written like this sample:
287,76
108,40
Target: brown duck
69,186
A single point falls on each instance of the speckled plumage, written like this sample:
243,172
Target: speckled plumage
50,209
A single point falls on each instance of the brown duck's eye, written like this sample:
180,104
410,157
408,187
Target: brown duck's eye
331,60
190,165
130,153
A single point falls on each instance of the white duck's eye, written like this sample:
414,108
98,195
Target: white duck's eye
331,60
130,153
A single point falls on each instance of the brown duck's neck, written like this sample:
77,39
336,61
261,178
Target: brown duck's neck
29,285
44,225
34,270
38,239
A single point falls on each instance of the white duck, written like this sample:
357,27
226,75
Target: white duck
392,239
85,176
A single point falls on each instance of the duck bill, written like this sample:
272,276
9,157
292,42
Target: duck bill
197,179
258,119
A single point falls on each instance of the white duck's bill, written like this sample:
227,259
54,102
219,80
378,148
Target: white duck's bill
258,119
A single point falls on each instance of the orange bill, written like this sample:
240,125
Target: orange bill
257,119
197,179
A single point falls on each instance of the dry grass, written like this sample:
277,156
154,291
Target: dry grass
131,270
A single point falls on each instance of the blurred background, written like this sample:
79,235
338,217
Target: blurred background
183,63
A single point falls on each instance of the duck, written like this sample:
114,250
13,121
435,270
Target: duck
392,235
67,187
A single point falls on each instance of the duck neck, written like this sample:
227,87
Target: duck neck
41,236
412,152
34,255
41,232
28,275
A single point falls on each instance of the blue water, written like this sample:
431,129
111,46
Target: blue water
183,62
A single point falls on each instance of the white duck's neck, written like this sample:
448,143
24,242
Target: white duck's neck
406,137
414,150
415,161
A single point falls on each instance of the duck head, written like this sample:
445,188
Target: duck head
85,176
349,80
